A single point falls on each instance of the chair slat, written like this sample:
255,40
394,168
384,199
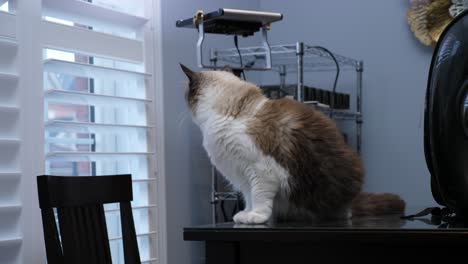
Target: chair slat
130,244
52,242
100,241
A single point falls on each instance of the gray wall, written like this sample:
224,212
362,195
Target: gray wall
187,167
396,68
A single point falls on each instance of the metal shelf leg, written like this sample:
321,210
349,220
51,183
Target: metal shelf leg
300,71
359,71
282,76
214,190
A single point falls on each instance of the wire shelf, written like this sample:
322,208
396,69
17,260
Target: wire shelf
315,59
338,114
226,196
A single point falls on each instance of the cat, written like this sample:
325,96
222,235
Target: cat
289,161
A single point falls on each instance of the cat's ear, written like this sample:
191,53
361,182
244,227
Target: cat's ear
188,72
228,69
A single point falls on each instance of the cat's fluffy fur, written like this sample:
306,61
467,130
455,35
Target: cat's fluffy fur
288,160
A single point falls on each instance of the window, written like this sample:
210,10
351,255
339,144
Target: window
96,124
97,111
4,6
94,89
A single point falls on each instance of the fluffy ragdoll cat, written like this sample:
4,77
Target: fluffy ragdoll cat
288,160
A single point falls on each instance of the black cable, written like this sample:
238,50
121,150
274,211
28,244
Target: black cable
235,208
236,43
332,105
223,210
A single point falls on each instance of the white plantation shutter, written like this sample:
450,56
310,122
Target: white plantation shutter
98,105
10,139
96,92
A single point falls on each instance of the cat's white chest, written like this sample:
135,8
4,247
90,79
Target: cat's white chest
229,147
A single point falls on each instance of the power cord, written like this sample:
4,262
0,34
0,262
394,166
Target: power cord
223,211
332,104
235,208
236,43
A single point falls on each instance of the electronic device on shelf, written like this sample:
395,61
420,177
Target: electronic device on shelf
311,94
232,21
227,21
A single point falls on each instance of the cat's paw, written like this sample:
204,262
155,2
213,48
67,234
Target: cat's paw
250,218
239,217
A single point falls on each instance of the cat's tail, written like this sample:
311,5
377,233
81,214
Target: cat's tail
369,204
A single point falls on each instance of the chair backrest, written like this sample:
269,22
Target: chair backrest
82,226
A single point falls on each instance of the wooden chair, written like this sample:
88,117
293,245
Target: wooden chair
82,225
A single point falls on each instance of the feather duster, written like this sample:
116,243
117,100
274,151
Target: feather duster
428,18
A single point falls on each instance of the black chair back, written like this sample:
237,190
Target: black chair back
82,225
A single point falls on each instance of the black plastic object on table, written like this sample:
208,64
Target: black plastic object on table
446,118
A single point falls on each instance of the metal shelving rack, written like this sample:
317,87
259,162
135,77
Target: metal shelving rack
298,59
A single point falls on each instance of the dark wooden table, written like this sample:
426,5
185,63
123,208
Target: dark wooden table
363,240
